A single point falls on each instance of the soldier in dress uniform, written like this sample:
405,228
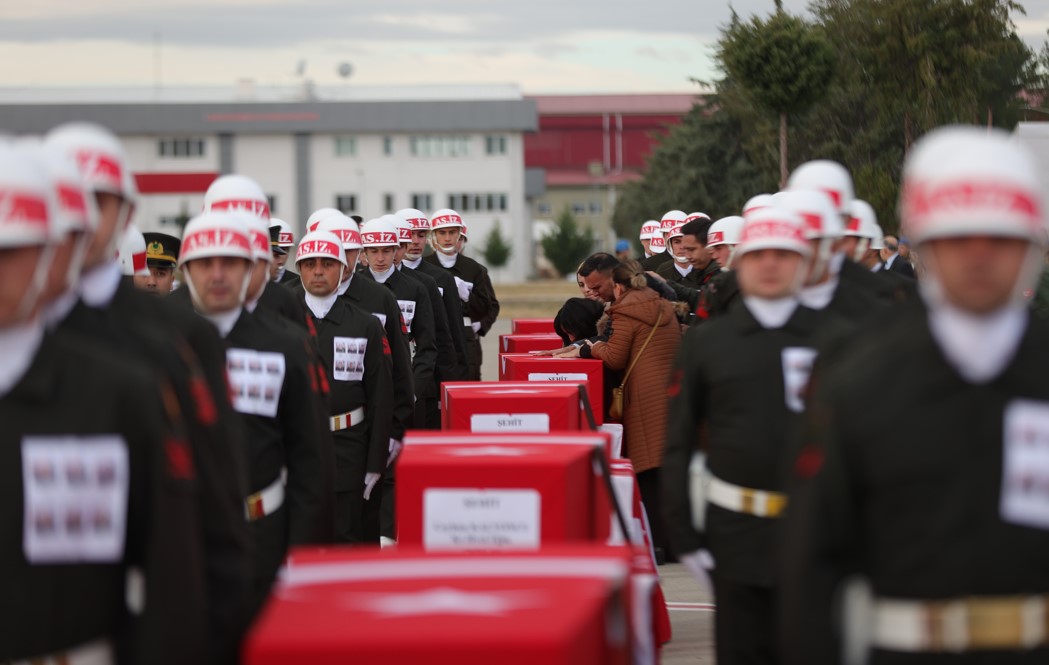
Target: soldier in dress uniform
480,306
358,360
666,225
161,258
284,242
271,389
446,367
378,300
826,286
381,241
97,486
453,306
928,545
740,379
722,290
649,230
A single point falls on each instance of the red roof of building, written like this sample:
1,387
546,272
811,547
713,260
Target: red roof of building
673,103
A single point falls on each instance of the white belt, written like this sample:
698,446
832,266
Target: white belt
347,420
965,624
745,500
99,652
267,501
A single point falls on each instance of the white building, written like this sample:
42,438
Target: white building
376,153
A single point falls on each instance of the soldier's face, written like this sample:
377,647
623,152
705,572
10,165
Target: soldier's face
698,255
645,242
320,276
218,282
447,239
417,245
769,273
109,209
848,245
58,277
380,258
18,300
978,274
279,260
721,254
159,281
259,276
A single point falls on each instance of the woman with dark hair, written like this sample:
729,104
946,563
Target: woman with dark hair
645,334
577,319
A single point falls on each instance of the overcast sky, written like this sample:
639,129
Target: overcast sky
541,45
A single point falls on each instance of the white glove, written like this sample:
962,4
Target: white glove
464,288
476,325
699,563
370,480
395,450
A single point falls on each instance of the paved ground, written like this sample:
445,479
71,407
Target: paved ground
691,618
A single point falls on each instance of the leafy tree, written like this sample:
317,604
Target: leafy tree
568,245
700,165
496,250
782,63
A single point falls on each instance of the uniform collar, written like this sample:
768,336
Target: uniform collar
381,277
771,313
321,305
343,287
99,285
412,264
979,348
819,296
18,346
56,312
224,321
447,261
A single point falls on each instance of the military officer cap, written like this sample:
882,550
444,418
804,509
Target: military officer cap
161,250
275,242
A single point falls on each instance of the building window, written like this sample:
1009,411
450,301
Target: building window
495,145
477,202
272,199
347,203
595,207
543,208
387,145
180,147
578,209
439,146
387,202
345,146
422,202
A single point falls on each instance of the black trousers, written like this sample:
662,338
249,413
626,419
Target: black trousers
474,358
744,623
387,514
427,415
356,520
651,486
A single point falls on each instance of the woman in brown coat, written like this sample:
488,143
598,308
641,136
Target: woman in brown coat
633,314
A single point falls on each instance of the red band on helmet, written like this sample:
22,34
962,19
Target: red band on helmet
715,237
445,220
322,248
22,208
773,229
215,239
101,168
853,225
138,261
379,238
286,236
418,223
72,200
259,208
922,200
